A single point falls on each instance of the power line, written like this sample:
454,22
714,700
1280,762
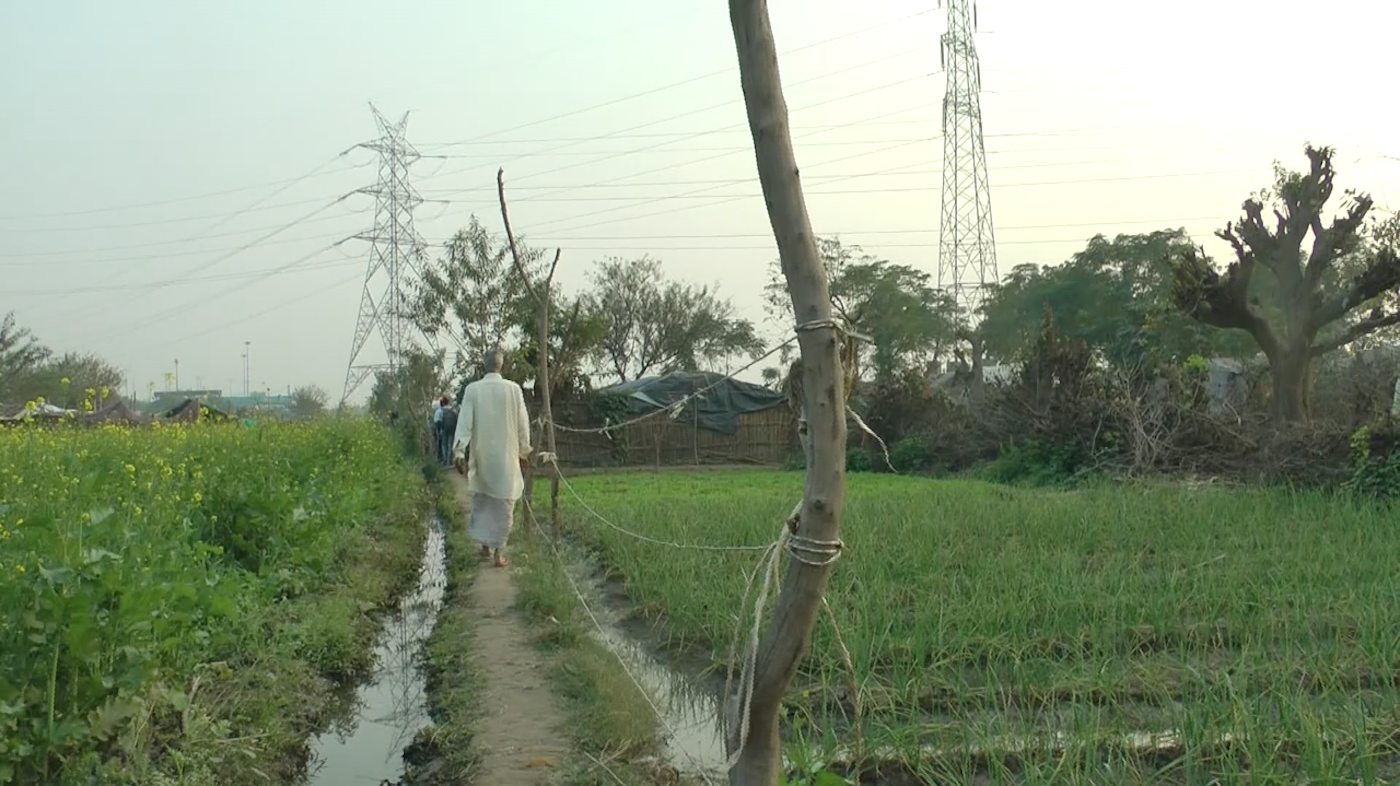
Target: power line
262,273
221,258
672,86
204,302
171,201
698,134
602,185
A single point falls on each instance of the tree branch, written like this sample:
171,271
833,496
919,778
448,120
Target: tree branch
1361,329
1379,277
514,250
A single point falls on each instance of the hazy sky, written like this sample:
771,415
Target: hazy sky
152,148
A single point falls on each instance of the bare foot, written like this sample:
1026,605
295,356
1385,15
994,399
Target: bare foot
501,560
485,552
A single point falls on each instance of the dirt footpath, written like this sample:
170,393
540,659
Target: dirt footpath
523,735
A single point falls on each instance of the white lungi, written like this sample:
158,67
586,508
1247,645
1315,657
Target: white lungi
491,520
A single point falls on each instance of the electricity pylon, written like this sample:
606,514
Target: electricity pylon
967,256
395,257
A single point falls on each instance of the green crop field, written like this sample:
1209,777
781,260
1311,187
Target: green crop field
176,603
1038,636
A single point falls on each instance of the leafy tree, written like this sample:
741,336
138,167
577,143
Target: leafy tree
473,294
71,380
907,321
1314,290
576,334
411,391
21,355
655,326
1115,296
309,401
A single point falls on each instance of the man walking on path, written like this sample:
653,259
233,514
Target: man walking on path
495,424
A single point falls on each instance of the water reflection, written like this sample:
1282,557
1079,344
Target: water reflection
689,713
392,706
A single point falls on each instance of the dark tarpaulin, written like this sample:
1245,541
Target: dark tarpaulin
718,408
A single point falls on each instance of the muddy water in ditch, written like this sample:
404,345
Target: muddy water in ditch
686,706
392,706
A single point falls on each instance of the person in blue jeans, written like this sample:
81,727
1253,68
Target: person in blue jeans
449,431
444,445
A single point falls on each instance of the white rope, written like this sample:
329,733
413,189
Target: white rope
808,551
802,549
689,546
598,625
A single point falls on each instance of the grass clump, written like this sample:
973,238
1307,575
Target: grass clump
614,726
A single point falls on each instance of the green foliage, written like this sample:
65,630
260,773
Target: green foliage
1037,464
656,326
907,321
133,560
607,410
29,371
1322,278
576,334
20,355
909,455
1115,296
309,401
858,460
985,620
1373,476
474,294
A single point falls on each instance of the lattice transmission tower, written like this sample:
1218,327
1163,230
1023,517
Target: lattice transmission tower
395,256
967,255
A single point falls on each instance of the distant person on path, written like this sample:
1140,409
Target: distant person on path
440,432
449,432
440,439
495,425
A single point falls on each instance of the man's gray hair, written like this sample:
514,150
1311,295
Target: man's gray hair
494,358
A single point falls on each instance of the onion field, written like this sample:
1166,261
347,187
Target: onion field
1115,634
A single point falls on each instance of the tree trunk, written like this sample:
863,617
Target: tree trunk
799,602
1291,375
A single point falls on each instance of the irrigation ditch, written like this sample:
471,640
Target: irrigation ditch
389,709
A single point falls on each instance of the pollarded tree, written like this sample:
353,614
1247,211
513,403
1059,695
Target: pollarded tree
1312,298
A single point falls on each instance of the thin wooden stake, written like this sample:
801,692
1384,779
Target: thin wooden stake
541,297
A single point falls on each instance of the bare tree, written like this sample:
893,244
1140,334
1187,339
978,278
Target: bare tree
759,761
1308,294
541,296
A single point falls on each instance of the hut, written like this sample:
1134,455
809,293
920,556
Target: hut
678,419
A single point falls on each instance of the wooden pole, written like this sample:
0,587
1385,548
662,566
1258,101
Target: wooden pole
541,298
800,600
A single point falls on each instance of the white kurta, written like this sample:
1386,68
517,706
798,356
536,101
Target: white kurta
496,425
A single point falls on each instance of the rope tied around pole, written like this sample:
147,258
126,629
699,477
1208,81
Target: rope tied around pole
807,551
